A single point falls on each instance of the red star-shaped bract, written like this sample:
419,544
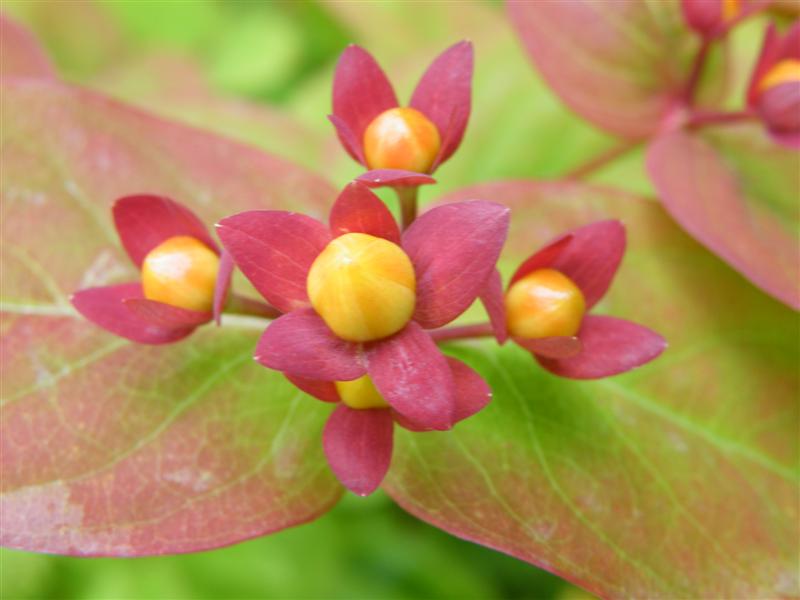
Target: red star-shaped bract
779,105
453,249
604,346
143,222
361,91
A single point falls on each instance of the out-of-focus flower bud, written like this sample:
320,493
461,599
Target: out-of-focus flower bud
363,287
182,272
360,394
544,303
711,17
401,138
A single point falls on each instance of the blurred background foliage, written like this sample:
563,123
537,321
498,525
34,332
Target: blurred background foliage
261,72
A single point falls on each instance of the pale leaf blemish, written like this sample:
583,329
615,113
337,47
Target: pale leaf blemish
195,480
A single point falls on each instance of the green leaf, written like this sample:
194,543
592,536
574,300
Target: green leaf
116,448
679,479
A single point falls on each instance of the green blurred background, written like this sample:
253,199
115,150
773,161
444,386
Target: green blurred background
261,72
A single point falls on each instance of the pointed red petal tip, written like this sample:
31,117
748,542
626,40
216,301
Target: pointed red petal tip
358,210
275,249
143,221
321,390
394,178
493,301
413,376
358,446
222,285
589,256
361,91
301,345
454,249
104,306
444,94
610,346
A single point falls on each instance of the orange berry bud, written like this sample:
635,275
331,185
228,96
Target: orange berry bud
544,303
401,138
363,287
181,271
784,71
730,9
360,393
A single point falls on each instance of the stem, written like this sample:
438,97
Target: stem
602,159
701,119
697,70
408,204
462,331
239,305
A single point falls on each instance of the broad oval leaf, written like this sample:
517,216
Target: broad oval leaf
678,479
20,54
122,449
621,65
735,191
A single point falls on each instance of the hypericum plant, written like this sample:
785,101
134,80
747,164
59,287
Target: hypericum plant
126,449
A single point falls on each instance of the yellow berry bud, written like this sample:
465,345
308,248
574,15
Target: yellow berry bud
730,9
401,138
360,394
784,71
363,287
181,271
544,303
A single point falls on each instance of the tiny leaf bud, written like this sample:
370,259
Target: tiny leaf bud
544,303
363,287
401,138
182,272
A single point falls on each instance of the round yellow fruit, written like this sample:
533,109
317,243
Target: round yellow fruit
401,138
544,303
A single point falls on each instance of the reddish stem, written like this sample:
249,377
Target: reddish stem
602,159
239,305
408,204
462,331
701,119
697,70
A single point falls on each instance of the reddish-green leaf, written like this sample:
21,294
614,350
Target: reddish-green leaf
20,55
115,448
678,479
736,192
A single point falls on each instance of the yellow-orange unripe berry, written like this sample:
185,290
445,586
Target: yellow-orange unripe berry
544,303
181,271
730,9
360,394
784,71
401,138
363,287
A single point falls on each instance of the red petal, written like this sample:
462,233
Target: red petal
610,346
144,221
394,178
444,94
300,344
321,390
275,249
104,306
552,347
361,91
357,210
413,377
790,139
704,16
590,257
222,284
494,302
454,249
351,143
165,315
358,446
779,107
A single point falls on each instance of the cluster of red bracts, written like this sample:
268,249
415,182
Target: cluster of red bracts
359,302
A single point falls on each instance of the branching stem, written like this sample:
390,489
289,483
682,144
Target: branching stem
598,162
459,332
239,305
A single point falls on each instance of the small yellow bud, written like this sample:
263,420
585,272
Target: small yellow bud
181,271
360,394
401,138
544,303
363,287
784,71
730,9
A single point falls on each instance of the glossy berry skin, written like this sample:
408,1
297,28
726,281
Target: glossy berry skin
182,272
785,71
544,303
363,287
401,138
360,394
